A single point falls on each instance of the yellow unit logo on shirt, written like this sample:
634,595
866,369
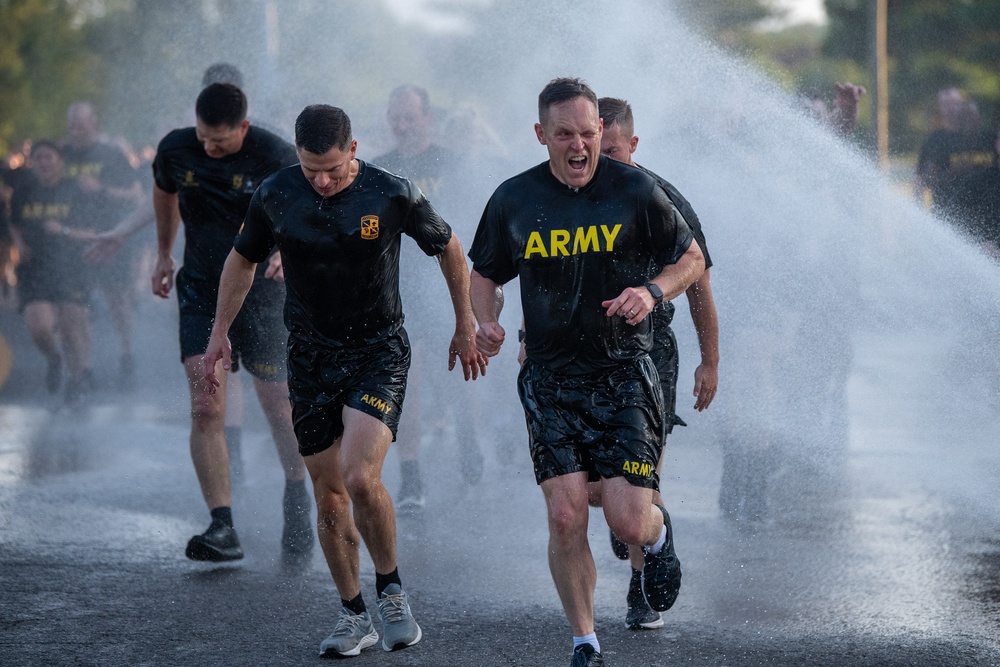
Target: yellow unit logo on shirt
369,227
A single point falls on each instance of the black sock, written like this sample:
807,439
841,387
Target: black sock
357,605
382,581
223,515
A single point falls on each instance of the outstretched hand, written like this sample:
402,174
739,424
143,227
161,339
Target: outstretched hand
463,348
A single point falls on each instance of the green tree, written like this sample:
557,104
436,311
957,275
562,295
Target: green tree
932,44
44,66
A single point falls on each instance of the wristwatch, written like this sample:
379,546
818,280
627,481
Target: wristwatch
656,292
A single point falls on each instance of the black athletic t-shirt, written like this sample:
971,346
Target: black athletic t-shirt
664,314
946,157
430,170
51,256
214,193
110,166
978,205
340,253
573,249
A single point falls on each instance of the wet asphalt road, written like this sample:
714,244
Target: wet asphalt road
891,557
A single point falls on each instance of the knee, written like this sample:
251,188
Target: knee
206,410
331,505
568,521
629,522
361,486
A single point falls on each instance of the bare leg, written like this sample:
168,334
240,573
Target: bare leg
570,559
351,471
208,444
630,512
74,327
273,397
40,318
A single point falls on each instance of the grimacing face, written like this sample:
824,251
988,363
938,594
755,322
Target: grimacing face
330,172
572,135
221,140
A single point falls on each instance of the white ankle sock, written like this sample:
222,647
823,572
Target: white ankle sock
655,549
588,639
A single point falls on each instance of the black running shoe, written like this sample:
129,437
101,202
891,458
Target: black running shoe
218,543
585,656
640,616
661,574
618,547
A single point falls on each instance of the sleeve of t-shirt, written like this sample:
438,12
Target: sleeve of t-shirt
423,224
161,173
254,240
490,254
691,218
668,231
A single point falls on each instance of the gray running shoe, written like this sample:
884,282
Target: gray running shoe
352,634
399,630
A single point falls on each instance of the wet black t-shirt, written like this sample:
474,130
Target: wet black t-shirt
573,249
947,157
663,315
214,193
340,253
51,256
109,165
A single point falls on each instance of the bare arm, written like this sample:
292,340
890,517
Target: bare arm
706,325
236,280
463,343
487,302
106,244
635,303
168,221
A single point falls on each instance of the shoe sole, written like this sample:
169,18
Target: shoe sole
400,645
366,641
202,552
650,625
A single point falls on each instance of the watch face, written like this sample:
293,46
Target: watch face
655,291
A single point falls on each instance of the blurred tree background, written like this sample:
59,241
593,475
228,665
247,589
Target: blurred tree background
55,51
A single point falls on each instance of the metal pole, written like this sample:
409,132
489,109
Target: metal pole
882,81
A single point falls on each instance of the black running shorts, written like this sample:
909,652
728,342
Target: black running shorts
608,424
33,286
257,335
367,375
665,358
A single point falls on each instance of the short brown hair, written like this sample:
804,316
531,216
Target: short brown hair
614,111
561,90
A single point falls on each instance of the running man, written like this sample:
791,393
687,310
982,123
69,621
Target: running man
49,222
205,176
338,222
597,245
103,170
619,143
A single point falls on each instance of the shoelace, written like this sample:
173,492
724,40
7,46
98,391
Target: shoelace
347,624
392,607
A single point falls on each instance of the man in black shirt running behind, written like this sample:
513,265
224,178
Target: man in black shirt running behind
338,222
596,244
205,176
